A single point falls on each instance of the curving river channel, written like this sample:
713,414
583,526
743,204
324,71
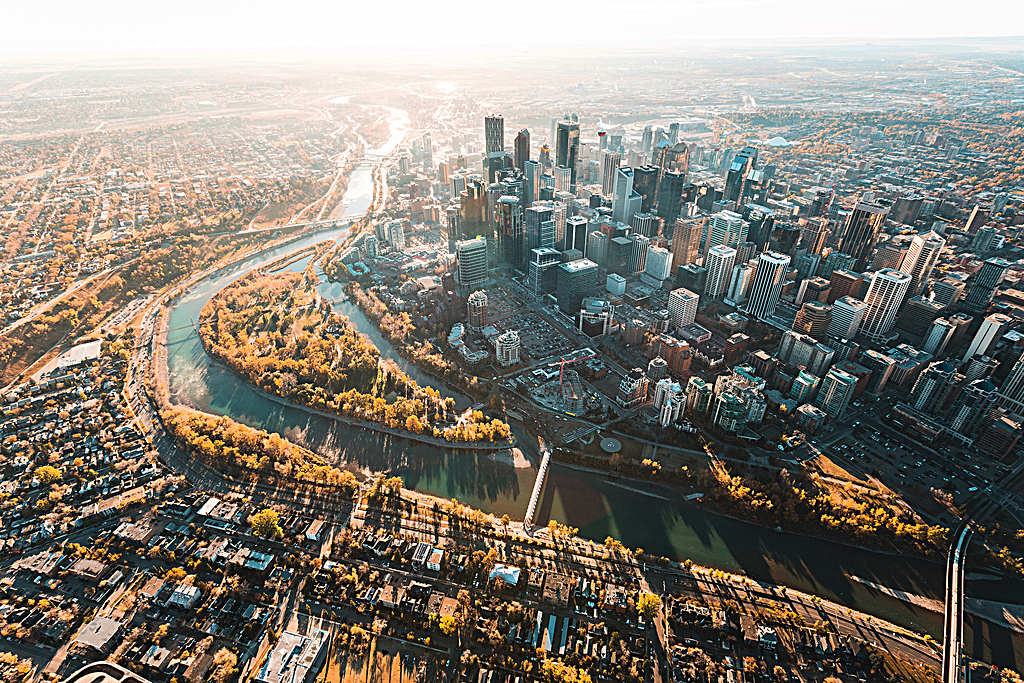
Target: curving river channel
640,514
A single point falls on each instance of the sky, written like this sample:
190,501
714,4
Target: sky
34,27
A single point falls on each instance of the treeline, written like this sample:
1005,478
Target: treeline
230,446
275,330
400,331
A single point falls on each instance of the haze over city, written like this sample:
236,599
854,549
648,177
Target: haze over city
653,341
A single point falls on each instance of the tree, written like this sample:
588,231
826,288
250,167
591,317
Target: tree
267,524
648,605
448,625
224,662
47,474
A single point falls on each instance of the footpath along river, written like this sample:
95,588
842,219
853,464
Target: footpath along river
640,514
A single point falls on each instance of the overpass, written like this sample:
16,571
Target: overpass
953,628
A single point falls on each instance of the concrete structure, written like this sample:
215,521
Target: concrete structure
476,310
767,286
295,658
471,256
718,262
506,348
836,392
886,293
682,306
991,328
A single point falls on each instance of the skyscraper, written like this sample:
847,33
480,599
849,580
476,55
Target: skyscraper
814,319
622,191
539,227
768,280
609,163
836,392
471,256
682,306
521,149
885,294
847,314
645,183
814,235
686,240
531,181
576,233
638,256
511,243
939,334
670,195
735,180
739,285
494,134
1011,393
934,387
719,263
576,280
921,258
567,146
860,234
728,228
985,284
991,328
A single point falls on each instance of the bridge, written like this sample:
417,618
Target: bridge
538,486
953,628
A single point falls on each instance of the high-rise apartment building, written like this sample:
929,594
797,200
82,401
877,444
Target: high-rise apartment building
985,283
836,392
939,334
991,328
813,318
921,258
728,228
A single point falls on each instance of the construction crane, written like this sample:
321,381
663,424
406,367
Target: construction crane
561,370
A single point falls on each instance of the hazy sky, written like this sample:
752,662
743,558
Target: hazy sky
43,26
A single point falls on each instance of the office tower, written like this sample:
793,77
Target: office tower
804,387
576,280
735,180
476,309
768,280
889,255
814,289
620,252
860,234
686,237
576,234
670,195
979,367
473,208
691,276
845,283
814,319
991,329
494,134
719,263
917,316
644,223
847,314
567,146
985,284
803,351
597,248
934,387
1011,392
471,256
939,334
621,192
538,228
784,238
682,306
921,258
531,181
544,157
658,264
973,406
645,183
888,287
814,235
541,274
563,178
836,392
979,217
728,228
761,221
740,283
836,260
511,240
745,251
609,163
638,254
521,149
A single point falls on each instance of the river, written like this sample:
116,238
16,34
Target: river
640,514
